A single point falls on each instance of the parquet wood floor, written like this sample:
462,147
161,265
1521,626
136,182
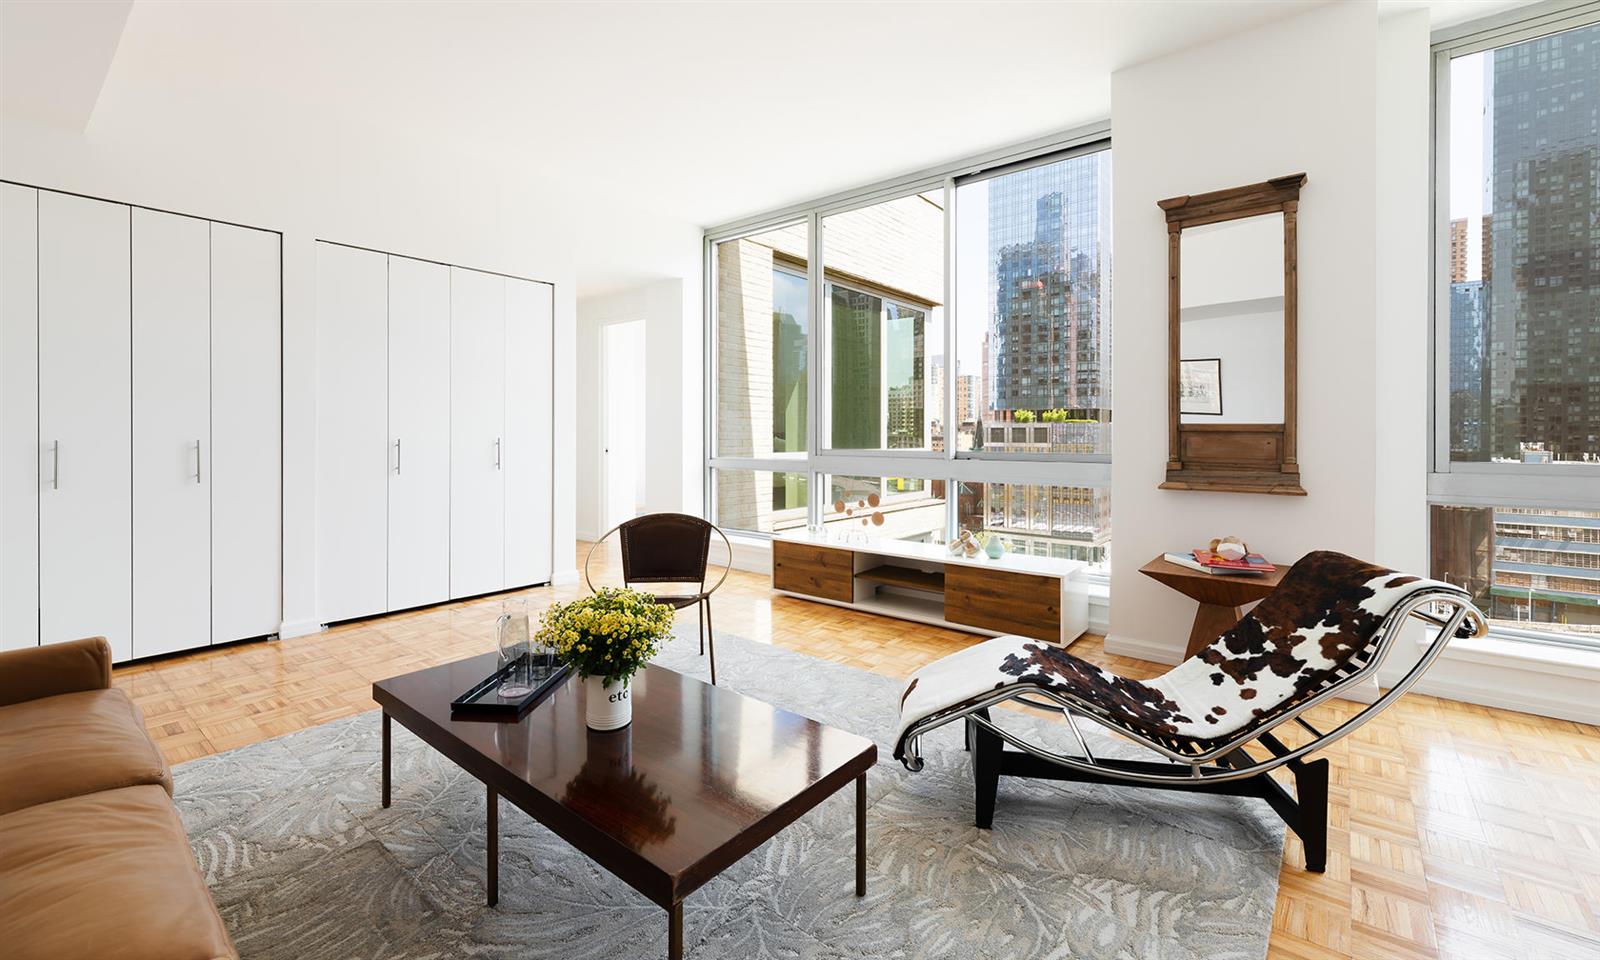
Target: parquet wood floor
1457,831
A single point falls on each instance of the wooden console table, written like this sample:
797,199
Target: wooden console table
1039,597
1219,594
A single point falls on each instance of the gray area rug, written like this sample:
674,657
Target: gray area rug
304,863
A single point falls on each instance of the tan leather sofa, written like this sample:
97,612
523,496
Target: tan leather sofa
94,861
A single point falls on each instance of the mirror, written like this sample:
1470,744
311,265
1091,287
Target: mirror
1230,325
1231,315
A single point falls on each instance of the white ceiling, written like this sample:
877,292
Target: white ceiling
691,112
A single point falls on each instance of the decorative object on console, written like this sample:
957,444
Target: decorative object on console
966,544
993,546
606,638
1238,301
865,509
1229,548
1201,715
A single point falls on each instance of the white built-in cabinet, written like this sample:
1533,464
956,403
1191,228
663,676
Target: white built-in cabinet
527,453
418,559
246,451
352,418
19,417
477,433
434,432
171,432
139,426
85,433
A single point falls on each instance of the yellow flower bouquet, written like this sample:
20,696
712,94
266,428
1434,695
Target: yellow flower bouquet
609,635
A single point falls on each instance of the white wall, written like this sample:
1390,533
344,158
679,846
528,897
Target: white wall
1248,339
1403,251
1296,95
673,419
1231,261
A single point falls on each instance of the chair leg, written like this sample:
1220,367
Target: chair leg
1311,795
985,769
711,641
700,619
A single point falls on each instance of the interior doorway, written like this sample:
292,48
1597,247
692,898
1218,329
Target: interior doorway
622,443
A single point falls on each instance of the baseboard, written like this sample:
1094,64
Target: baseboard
298,628
1138,649
751,554
1578,708
1099,615
564,578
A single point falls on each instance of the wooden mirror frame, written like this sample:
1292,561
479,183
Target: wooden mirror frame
1235,457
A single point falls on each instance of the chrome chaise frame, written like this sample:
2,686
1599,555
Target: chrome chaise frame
1222,766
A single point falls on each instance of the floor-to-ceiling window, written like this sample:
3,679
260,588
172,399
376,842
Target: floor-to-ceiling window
938,357
1515,488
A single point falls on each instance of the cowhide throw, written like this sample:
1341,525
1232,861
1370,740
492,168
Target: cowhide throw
1326,611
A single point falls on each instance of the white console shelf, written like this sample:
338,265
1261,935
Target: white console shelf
1040,597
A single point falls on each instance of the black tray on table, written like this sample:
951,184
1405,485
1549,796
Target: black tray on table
483,701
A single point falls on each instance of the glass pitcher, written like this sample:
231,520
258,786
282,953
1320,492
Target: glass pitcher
515,652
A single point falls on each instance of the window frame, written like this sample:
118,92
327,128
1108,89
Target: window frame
1565,486
818,462
1571,486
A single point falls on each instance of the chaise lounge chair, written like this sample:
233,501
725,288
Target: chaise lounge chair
1328,627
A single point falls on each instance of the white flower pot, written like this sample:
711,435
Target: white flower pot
607,708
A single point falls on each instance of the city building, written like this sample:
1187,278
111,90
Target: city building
1049,242
1542,110
1469,369
1526,566
1458,250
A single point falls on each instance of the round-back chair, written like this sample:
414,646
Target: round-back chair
670,548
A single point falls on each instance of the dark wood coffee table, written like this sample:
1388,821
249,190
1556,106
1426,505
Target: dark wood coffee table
703,775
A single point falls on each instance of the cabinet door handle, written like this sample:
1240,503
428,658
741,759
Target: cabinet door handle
497,453
197,461
397,458
55,465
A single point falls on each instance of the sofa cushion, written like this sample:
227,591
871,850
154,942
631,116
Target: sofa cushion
72,744
105,875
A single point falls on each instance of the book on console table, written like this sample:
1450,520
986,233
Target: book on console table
1208,562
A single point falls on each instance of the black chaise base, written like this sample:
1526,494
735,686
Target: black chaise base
1307,816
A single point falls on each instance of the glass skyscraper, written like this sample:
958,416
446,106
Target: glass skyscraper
1544,297
1469,369
1049,248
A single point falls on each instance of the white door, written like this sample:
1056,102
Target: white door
171,433
622,392
529,401
85,427
19,417
246,474
352,432
477,432
419,433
